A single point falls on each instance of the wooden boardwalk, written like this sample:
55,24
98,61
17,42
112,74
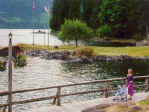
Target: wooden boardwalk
80,106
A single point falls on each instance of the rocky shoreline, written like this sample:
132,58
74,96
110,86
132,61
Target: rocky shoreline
70,57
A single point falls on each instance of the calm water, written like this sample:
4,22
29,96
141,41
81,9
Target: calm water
25,36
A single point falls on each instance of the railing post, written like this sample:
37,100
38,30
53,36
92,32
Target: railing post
4,109
54,101
146,83
107,89
59,96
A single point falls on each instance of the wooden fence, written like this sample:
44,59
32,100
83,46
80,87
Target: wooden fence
57,98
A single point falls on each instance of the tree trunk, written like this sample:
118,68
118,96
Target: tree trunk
76,42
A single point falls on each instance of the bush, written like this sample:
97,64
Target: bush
103,30
2,66
137,36
87,52
20,61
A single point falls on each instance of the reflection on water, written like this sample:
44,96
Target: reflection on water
105,70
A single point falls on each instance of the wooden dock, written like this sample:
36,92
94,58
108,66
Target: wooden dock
80,106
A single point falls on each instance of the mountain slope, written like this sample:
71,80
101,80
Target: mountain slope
19,13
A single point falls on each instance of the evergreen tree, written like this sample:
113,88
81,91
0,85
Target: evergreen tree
86,10
64,9
90,12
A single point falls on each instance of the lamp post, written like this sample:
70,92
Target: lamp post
10,73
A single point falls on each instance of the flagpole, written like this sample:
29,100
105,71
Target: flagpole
10,73
48,25
44,26
33,8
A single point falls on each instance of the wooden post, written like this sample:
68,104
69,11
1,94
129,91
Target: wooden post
10,74
48,37
146,83
59,96
107,89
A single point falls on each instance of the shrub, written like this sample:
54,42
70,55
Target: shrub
104,30
87,52
137,36
2,67
20,61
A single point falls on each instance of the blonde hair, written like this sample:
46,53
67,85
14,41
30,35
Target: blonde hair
131,70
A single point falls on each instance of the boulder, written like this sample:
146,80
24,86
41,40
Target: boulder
76,60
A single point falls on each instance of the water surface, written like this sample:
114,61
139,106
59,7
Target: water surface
26,36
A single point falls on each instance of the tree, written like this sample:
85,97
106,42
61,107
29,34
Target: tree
64,9
90,12
122,17
74,30
59,13
85,10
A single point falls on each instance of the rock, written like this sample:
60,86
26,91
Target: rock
100,58
69,56
63,55
76,60
56,47
109,59
91,60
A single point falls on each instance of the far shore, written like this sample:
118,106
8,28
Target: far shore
141,51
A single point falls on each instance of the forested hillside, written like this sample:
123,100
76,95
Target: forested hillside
19,13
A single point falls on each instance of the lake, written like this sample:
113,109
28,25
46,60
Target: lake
43,73
26,36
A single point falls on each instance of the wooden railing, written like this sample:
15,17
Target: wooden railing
57,98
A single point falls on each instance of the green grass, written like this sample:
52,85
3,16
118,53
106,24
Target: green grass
116,40
110,51
117,51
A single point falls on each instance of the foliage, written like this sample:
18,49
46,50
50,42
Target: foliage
145,101
104,30
2,67
123,17
90,11
75,30
85,10
137,36
88,52
64,9
20,61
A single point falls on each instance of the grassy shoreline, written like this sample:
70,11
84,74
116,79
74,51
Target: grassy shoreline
109,51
